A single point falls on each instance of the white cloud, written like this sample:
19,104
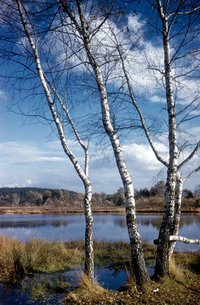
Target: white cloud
3,96
144,60
30,164
143,155
155,98
27,152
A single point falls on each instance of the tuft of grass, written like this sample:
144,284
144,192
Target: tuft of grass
11,260
39,291
88,292
90,287
177,271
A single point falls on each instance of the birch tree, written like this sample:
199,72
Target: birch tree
86,35
24,29
179,30
172,199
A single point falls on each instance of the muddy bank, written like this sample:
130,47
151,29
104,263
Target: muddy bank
78,209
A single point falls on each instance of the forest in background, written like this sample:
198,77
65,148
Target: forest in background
33,196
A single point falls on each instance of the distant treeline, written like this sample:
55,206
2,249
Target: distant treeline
39,196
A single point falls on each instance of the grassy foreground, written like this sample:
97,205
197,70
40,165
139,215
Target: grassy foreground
170,291
18,259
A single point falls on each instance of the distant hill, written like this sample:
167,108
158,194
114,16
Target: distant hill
32,196
37,196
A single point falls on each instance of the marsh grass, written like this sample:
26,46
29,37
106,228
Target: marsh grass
18,258
11,260
50,257
88,292
177,271
36,256
39,291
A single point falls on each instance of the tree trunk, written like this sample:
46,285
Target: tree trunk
133,231
89,255
163,248
83,174
177,212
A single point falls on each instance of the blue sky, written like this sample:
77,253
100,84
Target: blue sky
31,154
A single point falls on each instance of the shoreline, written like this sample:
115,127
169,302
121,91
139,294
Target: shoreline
79,210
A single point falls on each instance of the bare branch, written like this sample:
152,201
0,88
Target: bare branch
185,13
190,156
133,99
196,170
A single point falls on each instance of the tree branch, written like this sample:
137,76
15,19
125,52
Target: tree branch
191,173
184,239
190,156
133,99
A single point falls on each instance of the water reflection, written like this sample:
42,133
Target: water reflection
155,221
10,295
33,223
106,227
108,277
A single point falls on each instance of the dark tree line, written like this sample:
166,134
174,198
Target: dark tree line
33,196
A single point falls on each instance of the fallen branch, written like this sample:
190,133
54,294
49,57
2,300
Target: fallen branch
184,239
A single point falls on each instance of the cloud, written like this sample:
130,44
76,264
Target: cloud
45,165
3,96
143,156
155,98
31,164
28,152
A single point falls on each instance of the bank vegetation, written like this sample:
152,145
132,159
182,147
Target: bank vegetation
39,200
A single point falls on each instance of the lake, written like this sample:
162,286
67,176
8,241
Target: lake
107,227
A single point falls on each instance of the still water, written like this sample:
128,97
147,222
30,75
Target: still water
106,228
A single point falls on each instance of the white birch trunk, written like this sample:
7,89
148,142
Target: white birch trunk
89,252
163,248
177,212
133,231
89,261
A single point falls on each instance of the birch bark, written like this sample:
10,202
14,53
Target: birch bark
163,248
177,212
89,260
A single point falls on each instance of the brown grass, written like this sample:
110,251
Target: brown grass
11,253
88,292
18,258
177,271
